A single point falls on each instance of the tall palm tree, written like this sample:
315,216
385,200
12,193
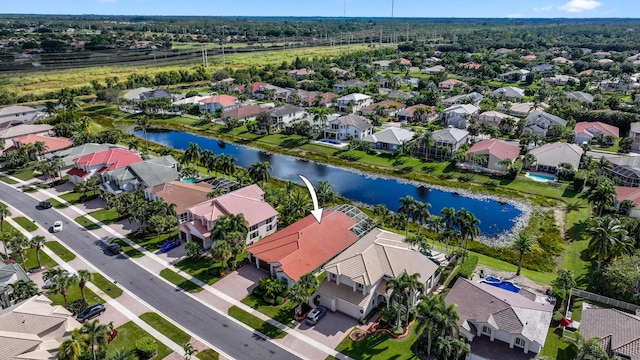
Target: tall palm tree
413,287
39,148
407,207
96,334
260,172
382,213
325,192
17,243
448,217
523,243
208,160
398,286
602,195
4,214
429,313
421,214
192,154
72,349
61,281
607,239
84,276
468,224
37,242
221,252
143,125
445,347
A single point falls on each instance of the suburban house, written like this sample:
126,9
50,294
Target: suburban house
192,100
409,114
353,102
353,83
69,154
445,142
510,92
549,156
626,175
9,134
493,151
345,126
634,133
601,54
381,65
543,68
51,144
144,93
284,115
184,195
514,75
530,57
9,274
271,92
434,69
306,245
357,278
539,123
245,113
214,103
580,96
431,60
19,114
449,84
499,323
34,329
472,98
631,194
619,331
561,80
586,131
140,175
561,60
384,108
249,89
399,95
390,139
494,118
459,115
96,163
262,218
301,73
522,109
340,72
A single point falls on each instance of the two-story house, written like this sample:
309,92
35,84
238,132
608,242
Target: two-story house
262,218
99,162
357,278
412,114
634,133
183,195
346,126
353,103
460,115
19,114
384,108
212,104
284,115
539,123
390,139
444,143
140,175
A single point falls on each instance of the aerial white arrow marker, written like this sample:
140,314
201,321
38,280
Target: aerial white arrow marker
316,212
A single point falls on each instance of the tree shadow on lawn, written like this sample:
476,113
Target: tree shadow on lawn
576,206
293,143
576,231
203,269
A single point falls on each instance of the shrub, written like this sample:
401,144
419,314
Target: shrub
146,347
468,267
466,177
77,306
579,181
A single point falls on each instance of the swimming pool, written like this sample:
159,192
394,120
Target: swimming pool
541,177
503,284
190,180
332,142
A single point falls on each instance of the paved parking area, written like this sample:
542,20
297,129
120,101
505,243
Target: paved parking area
331,329
238,284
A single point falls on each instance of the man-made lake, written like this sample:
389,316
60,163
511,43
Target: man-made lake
495,217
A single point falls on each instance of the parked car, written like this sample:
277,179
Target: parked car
316,314
91,312
114,248
171,244
57,226
45,204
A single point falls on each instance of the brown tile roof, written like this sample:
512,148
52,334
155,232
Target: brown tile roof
51,143
245,111
306,244
184,195
497,148
621,328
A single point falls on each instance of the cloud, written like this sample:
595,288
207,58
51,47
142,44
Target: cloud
543,8
577,6
511,16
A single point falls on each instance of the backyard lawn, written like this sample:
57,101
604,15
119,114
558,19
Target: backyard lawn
128,334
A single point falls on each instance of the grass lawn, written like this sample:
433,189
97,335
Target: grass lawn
32,261
150,241
60,250
380,346
6,227
204,269
283,313
128,249
26,223
179,281
57,204
22,174
166,328
107,217
73,293
555,347
75,198
128,334
105,285
88,224
207,354
256,323
7,180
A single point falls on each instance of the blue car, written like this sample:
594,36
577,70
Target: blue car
171,244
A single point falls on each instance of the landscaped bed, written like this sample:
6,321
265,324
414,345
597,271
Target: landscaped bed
282,313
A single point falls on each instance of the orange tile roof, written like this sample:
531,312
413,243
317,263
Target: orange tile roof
628,193
306,245
112,159
497,148
224,100
605,129
184,195
51,143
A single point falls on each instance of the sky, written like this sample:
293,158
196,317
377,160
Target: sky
334,8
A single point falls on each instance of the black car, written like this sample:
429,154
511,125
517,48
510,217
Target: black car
91,312
114,248
45,204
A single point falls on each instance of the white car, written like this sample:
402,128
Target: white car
57,226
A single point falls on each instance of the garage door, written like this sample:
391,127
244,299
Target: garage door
348,308
264,265
197,239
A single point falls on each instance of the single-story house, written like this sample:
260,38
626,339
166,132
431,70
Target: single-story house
271,92
522,109
434,69
549,156
353,83
580,96
619,331
51,144
381,65
399,95
514,75
626,175
543,68
494,118
140,175
211,104
183,194
493,151
353,102
428,114
431,60
585,132
134,94
245,113
390,139
384,108
262,218
345,126
472,98
632,194
561,60
499,322
340,72
357,278
510,92
450,138
96,163
449,84
7,135
9,274
304,246
34,329
19,114
68,155
300,73
561,80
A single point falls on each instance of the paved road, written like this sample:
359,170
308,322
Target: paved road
191,314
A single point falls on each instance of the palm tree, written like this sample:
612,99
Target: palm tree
445,347
448,217
122,354
325,193
37,242
17,243
413,287
429,314
208,159
143,124
96,335
398,295
188,351
448,235
468,224
461,349
39,148
382,213
505,164
602,195
192,153
607,239
421,214
407,207
302,289
84,276
61,280
523,243
215,193
72,349
4,214
260,172
221,252
23,290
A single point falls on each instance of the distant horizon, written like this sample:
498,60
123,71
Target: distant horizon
404,9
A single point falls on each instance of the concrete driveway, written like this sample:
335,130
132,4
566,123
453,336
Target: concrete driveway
91,205
238,284
330,330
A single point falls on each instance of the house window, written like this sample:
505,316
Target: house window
254,235
183,217
269,227
520,342
254,227
486,330
359,286
269,220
